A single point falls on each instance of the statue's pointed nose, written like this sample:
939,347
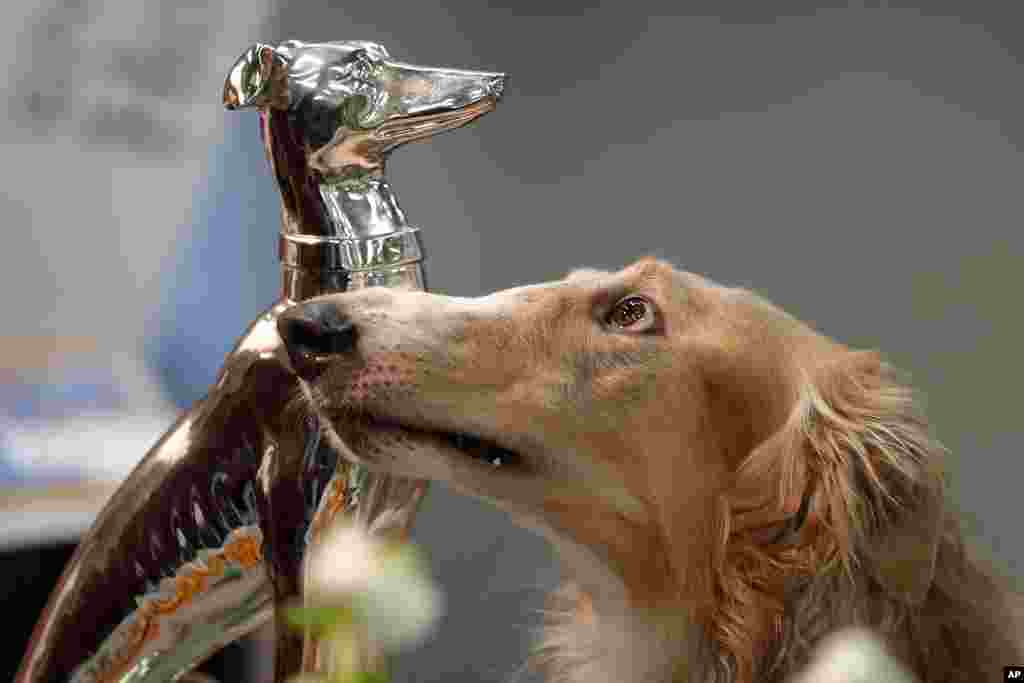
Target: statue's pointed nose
312,332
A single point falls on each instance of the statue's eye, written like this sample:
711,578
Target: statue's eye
632,314
362,62
359,65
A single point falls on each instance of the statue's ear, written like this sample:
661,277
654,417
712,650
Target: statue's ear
257,79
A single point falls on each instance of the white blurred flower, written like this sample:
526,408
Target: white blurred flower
854,656
385,582
341,564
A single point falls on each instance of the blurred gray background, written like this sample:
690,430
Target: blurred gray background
859,164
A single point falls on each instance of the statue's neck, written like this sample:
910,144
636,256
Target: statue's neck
356,205
364,241
362,207
339,234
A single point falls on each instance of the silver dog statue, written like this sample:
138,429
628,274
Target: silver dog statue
208,533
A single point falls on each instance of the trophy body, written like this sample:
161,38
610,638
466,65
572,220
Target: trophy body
208,533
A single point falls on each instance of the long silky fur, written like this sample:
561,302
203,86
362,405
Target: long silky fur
858,445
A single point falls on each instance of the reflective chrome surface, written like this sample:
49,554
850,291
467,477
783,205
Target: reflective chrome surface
330,115
210,528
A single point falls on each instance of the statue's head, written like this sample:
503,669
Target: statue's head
350,104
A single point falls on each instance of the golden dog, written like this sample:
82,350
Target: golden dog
725,486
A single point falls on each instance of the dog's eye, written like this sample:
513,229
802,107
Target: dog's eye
634,313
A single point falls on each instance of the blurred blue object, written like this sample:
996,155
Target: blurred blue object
8,472
225,272
44,400
75,391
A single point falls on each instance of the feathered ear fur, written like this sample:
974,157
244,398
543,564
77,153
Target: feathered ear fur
856,444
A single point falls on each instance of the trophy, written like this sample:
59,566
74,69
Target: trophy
208,533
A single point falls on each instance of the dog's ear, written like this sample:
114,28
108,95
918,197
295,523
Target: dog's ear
858,446
257,79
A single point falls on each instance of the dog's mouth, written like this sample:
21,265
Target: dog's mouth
480,449
483,450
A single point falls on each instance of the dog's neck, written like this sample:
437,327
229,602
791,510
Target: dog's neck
585,642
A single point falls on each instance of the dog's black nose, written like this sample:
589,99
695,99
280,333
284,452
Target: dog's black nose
312,332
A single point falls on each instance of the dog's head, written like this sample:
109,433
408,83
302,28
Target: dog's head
680,441
352,103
